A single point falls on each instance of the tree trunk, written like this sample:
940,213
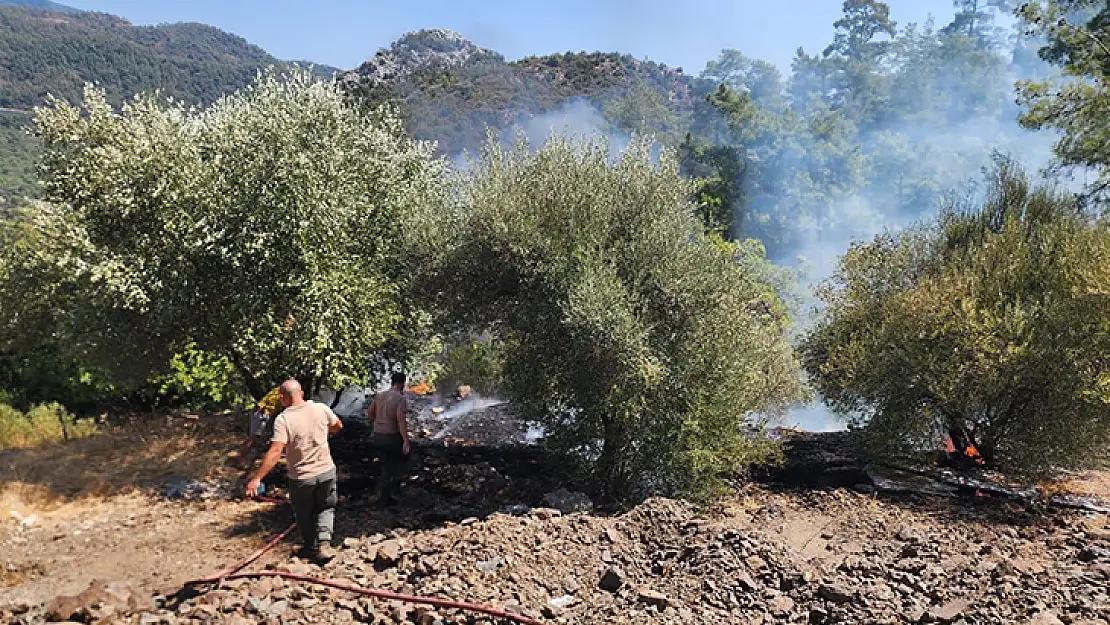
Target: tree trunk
338,394
611,466
253,384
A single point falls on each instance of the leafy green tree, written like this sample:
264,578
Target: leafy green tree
993,322
645,347
1078,104
274,229
974,19
863,38
761,80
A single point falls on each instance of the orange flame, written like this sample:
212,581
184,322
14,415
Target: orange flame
422,389
969,452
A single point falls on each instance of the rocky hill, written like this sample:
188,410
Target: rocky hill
450,90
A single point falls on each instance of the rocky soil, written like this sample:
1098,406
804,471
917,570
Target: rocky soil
822,557
482,525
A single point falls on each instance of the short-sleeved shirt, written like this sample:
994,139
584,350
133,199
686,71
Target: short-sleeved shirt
385,414
304,431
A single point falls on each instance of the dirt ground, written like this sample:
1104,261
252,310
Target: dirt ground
100,509
91,509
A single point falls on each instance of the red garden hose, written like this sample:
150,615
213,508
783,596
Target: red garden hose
231,572
385,594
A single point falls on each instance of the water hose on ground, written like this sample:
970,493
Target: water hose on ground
232,572
385,594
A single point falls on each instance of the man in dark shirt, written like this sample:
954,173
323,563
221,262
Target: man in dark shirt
390,438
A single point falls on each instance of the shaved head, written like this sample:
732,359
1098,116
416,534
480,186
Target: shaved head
291,392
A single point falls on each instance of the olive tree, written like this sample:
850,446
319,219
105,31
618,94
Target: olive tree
644,346
991,321
275,228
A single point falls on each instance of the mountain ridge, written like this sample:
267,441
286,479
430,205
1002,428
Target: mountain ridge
42,5
449,89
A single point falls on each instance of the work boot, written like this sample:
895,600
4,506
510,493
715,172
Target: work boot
324,553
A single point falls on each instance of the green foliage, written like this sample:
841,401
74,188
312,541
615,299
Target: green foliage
18,152
643,346
41,375
58,52
52,53
47,423
994,321
197,379
644,110
1078,103
273,229
477,362
454,102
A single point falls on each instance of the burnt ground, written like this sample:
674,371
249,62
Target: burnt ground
820,539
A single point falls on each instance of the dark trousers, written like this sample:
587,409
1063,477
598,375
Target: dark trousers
389,450
314,502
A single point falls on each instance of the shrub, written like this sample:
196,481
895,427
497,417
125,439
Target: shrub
45,423
992,321
646,348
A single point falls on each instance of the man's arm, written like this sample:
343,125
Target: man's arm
372,409
334,424
268,464
403,427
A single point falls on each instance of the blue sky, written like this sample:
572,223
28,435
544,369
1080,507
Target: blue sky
683,33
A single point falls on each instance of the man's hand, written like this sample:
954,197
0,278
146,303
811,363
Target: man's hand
252,487
406,448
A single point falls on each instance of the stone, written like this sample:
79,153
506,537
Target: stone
388,554
568,502
611,580
781,606
561,602
835,593
489,566
818,615
910,534
949,611
914,613
1092,553
652,598
745,581
1045,618
546,514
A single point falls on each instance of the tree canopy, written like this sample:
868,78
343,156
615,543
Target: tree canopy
646,347
1078,103
989,321
274,228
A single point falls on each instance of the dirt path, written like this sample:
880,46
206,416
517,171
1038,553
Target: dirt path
156,545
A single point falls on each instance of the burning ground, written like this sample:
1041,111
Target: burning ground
818,542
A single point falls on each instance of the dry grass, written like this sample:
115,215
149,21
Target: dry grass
43,424
1090,483
122,458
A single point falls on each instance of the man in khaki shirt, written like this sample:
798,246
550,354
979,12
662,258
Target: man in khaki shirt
302,431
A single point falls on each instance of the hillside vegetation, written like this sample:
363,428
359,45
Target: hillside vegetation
450,90
49,52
